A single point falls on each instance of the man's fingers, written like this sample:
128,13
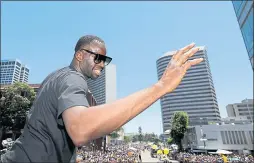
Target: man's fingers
183,50
187,55
193,62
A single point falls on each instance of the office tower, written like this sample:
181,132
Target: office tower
245,108
195,95
104,87
24,74
244,14
13,71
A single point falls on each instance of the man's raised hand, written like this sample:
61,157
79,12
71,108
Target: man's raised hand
177,67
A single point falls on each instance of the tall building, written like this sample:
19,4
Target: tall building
104,88
245,108
195,95
24,74
13,71
244,14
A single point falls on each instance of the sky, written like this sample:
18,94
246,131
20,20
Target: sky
43,35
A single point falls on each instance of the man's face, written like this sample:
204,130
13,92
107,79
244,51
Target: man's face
87,65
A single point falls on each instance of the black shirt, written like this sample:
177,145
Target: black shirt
45,138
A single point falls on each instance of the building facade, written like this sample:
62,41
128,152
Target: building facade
235,120
195,95
244,12
24,74
233,137
245,108
13,71
104,87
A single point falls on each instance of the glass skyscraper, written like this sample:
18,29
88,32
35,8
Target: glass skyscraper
244,13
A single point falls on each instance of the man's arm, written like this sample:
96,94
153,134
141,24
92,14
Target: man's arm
85,124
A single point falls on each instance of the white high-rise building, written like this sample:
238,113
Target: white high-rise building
195,95
245,108
104,88
13,71
24,74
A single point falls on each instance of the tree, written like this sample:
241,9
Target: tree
127,139
135,138
115,134
15,102
140,138
179,126
169,141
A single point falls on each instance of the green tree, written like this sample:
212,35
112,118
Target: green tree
115,134
140,138
127,139
135,138
156,140
179,126
169,141
15,102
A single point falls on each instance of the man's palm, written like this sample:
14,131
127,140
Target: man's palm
178,66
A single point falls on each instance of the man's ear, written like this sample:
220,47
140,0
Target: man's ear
79,56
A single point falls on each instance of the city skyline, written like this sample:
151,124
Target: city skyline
135,40
195,94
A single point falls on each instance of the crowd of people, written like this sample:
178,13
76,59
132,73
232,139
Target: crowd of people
131,153
202,158
113,153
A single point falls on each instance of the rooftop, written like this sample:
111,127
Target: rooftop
170,53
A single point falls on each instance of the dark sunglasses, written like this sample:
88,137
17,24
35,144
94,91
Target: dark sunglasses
99,58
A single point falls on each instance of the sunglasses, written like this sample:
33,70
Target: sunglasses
99,58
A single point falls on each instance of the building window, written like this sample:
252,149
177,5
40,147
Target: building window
226,134
245,141
223,137
241,137
230,137
251,136
233,136
237,137
237,5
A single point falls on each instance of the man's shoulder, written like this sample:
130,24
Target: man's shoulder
67,74
68,77
63,78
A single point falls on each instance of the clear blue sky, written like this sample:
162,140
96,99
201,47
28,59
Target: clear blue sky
43,35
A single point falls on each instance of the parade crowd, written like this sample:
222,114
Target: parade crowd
195,158
113,154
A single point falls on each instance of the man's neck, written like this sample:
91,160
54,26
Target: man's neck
76,67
